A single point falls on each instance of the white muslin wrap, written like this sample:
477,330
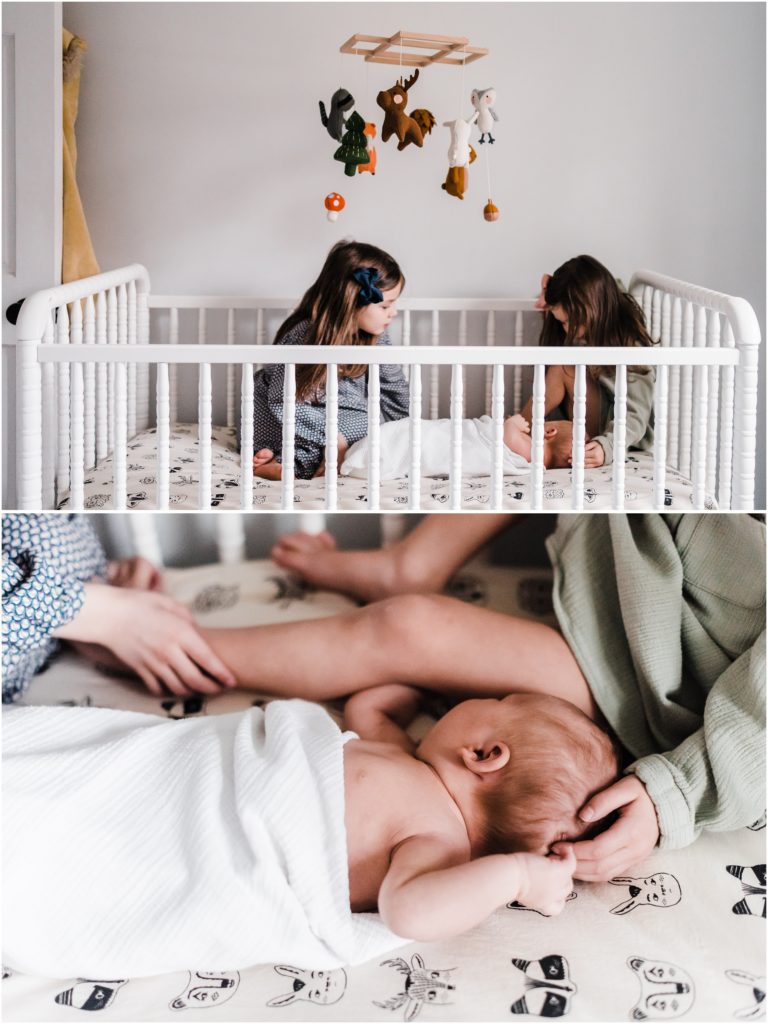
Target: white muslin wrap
476,450
137,845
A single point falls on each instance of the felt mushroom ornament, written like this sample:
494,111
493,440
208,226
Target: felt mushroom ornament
334,204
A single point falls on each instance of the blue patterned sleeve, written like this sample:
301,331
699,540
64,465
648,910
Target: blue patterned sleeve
393,389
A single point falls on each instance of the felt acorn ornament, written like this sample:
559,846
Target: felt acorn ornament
334,204
491,212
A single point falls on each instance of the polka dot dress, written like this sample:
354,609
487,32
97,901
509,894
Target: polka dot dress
310,417
46,560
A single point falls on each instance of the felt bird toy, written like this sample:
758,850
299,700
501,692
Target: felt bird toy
460,156
407,128
482,101
341,102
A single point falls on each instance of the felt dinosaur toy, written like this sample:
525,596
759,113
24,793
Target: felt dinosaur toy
485,115
354,148
370,134
407,127
460,156
341,102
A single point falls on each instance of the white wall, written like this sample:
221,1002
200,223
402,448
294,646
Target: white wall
634,132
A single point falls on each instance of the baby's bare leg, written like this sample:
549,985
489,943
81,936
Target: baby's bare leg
437,643
422,562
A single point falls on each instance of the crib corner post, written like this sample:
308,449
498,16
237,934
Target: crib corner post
745,424
29,426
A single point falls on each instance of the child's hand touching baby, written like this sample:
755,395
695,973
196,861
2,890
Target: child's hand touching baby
547,881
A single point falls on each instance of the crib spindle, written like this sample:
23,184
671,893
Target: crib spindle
490,341
111,340
745,421
517,370
686,395
673,458
619,436
713,341
654,327
142,372
120,484
163,436
457,408
173,339
463,327
577,438
230,539
699,411
230,370
102,434
62,338
647,304
246,437
434,372
331,436
122,339
660,411
374,439
202,326
77,414
289,427
133,398
89,426
537,438
726,425
497,463
204,434
48,419
414,413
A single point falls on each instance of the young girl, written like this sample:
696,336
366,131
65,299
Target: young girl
352,302
584,305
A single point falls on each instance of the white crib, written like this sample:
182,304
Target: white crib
90,355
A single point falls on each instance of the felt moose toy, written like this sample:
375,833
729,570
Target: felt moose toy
408,128
460,156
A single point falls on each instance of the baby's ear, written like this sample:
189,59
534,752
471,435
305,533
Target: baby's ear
493,756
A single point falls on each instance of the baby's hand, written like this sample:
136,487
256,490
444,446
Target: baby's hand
520,422
547,881
594,455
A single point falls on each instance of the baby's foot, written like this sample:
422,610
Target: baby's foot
265,465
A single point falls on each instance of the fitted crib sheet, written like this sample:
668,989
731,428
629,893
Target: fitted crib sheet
353,493
684,937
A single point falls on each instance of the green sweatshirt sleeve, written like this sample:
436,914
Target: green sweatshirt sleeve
639,411
715,779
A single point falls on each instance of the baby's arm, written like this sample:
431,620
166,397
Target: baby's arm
383,713
432,891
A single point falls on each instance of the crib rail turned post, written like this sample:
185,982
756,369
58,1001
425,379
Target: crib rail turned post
497,463
331,435
577,437
414,431
204,434
289,427
162,436
457,408
619,437
537,438
246,437
747,337
374,439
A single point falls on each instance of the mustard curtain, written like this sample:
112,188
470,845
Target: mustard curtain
77,257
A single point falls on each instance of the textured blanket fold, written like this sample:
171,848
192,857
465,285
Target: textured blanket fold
136,845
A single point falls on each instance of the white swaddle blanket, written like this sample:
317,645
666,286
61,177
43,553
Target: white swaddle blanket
476,450
136,845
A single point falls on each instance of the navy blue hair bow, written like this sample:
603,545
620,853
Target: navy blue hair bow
368,278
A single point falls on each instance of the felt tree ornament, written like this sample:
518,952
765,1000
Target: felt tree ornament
354,147
460,156
370,134
407,127
333,122
485,115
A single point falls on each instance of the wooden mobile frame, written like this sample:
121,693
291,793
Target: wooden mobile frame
402,48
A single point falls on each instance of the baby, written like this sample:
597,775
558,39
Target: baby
137,845
476,448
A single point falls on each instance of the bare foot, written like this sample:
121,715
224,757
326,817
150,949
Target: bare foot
266,466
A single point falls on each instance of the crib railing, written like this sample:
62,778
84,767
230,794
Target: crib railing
84,361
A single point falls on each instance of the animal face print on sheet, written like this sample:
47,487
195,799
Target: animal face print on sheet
321,987
548,987
659,890
467,588
178,708
287,589
757,984
515,905
422,986
215,597
207,988
7,972
753,886
90,995
666,990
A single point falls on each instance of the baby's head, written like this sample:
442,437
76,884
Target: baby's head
520,769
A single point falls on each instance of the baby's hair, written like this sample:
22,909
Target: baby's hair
593,303
331,306
558,759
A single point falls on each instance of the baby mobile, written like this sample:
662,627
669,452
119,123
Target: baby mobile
355,134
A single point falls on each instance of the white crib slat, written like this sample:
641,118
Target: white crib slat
289,427
517,371
62,338
745,420
48,420
146,541
173,339
246,437
699,411
457,407
331,436
726,425
577,440
102,396
497,463
619,436
686,395
537,438
111,340
120,485
660,410
77,492
673,457
434,372
654,327
142,371
374,439
133,399
414,413
163,436
230,370
490,341
89,426
463,327
647,304
713,341
230,539
260,326
202,326
204,434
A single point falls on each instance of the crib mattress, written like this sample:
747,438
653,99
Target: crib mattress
615,953
353,493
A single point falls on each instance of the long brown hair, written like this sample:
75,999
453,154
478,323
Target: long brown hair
593,302
331,306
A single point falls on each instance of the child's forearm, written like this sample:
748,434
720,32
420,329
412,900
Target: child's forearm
383,713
